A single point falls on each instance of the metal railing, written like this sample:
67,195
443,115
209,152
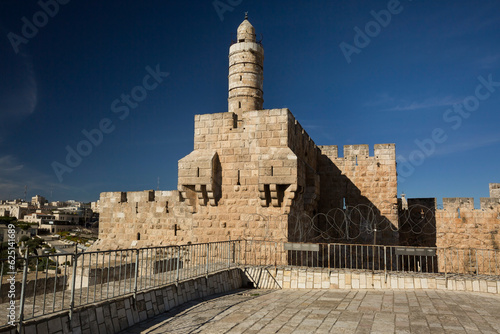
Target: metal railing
44,284
39,285
459,261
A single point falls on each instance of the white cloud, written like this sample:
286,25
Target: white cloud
403,105
469,145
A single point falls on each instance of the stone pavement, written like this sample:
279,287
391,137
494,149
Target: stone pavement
332,311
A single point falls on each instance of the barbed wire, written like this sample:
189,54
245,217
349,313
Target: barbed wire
415,225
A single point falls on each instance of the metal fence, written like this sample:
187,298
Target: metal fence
402,259
43,284
38,285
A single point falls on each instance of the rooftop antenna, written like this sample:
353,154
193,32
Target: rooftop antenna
158,187
25,191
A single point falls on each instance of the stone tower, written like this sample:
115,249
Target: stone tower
246,71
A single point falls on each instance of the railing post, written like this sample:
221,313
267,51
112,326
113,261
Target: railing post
178,265
208,251
328,256
445,268
73,283
229,254
234,252
275,253
245,252
477,265
23,289
136,274
239,252
385,263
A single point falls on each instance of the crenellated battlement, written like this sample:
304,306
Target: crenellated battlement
380,151
495,190
454,203
299,132
254,162
467,203
132,196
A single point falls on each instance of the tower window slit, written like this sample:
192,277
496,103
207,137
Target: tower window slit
272,171
198,172
239,105
238,183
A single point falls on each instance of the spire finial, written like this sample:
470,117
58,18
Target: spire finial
246,15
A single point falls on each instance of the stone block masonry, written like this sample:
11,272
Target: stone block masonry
495,190
460,225
251,170
360,180
316,278
246,179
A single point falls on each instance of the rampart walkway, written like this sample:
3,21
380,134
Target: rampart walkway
332,311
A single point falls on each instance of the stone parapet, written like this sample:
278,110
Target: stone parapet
310,278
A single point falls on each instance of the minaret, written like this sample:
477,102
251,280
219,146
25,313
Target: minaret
246,71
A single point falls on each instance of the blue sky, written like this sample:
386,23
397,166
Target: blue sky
401,80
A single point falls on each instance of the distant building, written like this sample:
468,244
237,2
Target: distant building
15,209
39,218
38,201
54,226
30,232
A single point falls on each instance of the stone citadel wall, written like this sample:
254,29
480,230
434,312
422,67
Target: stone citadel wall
254,173
366,182
459,225
244,179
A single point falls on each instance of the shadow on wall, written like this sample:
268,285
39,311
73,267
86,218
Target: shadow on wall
417,222
346,215
260,278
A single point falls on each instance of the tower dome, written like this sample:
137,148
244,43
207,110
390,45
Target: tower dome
246,31
246,71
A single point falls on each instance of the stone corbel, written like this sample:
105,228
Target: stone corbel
290,194
262,194
202,194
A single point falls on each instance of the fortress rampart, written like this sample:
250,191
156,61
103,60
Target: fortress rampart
244,178
254,173
458,224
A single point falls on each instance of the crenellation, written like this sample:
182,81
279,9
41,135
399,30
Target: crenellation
356,151
455,203
495,190
490,203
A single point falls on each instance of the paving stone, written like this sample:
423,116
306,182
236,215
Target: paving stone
308,311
